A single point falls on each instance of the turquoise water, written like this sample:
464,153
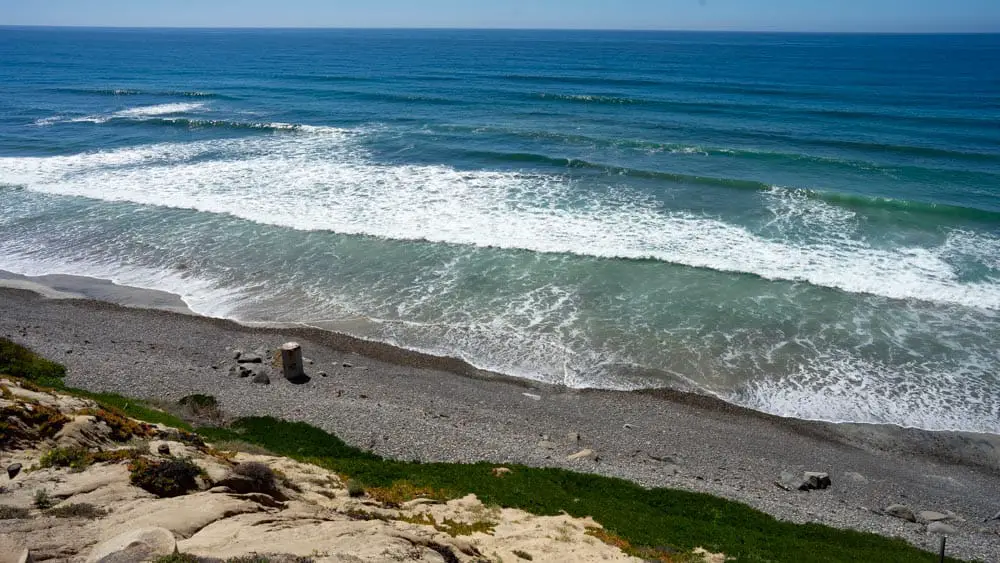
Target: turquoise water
808,225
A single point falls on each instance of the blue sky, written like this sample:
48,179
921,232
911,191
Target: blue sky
771,15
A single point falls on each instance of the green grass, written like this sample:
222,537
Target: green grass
21,362
644,517
641,517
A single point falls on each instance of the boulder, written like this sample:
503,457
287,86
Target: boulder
931,516
941,528
13,469
261,378
135,545
901,511
818,480
805,481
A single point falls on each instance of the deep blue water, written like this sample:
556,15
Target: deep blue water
804,224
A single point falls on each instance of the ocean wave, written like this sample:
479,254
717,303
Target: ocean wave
118,92
160,109
327,182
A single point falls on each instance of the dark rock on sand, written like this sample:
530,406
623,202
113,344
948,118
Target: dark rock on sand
262,379
13,469
807,481
249,359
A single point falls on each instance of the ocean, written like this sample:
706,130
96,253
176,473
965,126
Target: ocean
803,224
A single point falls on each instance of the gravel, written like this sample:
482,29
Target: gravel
411,406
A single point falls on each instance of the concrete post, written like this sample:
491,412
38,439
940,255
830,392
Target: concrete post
291,361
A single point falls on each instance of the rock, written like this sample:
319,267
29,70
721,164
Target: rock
322,374
136,545
627,426
250,359
583,454
573,437
241,370
237,354
221,490
818,480
532,396
163,449
931,516
13,469
347,365
901,511
941,528
501,471
291,361
806,481
261,378
546,445
308,361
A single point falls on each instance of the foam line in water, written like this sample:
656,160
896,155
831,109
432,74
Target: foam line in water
321,179
160,109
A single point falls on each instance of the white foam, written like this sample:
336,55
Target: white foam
320,179
160,109
200,295
843,388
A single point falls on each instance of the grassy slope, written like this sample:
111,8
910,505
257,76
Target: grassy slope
663,519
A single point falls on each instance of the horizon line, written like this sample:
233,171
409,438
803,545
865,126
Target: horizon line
461,28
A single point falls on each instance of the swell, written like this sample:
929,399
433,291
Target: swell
842,199
118,92
729,107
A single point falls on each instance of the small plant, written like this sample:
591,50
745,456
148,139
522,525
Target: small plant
123,428
178,558
260,474
41,422
200,408
399,492
169,478
523,554
76,458
80,510
8,512
355,489
42,499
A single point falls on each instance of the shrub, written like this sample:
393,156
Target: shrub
42,499
201,409
169,478
199,400
80,510
45,421
399,492
8,512
261,475
21,362
76,458
122,427
355,488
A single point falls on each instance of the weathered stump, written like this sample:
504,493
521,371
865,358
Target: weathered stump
291,361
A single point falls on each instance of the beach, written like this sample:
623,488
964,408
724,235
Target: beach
408,405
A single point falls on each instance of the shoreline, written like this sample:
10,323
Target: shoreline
87,288
410,405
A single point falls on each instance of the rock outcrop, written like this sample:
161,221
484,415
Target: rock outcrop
85,460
